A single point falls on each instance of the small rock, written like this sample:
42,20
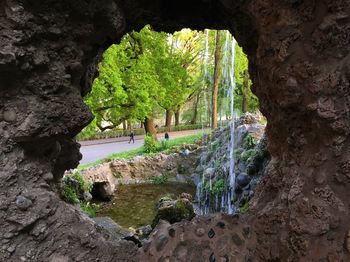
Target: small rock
48,176
87,196
200,232
146,230
161,242
186,152
243,180
11,249
10,116
211,233
23,203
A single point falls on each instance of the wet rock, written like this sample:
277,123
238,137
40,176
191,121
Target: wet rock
23,203
243,180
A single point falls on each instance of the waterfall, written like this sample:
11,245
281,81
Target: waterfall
207,202
232,175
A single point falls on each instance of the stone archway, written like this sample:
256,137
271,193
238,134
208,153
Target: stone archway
300,63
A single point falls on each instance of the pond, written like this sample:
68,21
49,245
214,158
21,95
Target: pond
135,205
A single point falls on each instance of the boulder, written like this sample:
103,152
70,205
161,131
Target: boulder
174,210
242,180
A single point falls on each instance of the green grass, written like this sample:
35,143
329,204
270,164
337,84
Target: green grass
170,145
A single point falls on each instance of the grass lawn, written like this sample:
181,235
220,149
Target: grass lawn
161,147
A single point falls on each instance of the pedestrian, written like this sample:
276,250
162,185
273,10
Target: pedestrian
166,136
132,137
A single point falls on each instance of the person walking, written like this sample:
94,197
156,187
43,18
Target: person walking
166,136
132,137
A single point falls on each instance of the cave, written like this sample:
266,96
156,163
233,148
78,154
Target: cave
300,66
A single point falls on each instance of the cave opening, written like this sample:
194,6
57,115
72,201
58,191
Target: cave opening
299,63
165,83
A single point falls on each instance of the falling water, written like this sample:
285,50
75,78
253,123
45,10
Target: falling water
221,202
232,175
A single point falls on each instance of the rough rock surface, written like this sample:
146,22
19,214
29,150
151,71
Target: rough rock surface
300,65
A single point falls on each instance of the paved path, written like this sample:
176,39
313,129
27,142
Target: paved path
99,149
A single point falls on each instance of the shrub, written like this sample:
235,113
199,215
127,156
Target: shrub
89,209
244,208
164,145
249,141
69,194
150,144
74,186
160,180
218,187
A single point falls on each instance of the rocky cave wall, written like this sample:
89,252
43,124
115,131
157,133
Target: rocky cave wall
300,65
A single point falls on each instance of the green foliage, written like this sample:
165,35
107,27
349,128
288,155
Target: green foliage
69,194
74,185
248,154
160,180
150,144
218,187
249,141
244,208
89,209
164,145
241,65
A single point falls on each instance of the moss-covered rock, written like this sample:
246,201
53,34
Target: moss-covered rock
174,210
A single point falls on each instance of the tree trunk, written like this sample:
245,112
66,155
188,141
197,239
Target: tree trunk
177,116
195,109
217,78
141,124
168,118
149,127
245,92
124,125
128,124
